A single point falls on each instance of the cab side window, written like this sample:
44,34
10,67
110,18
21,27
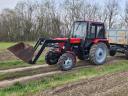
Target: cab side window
92,31
100,31
96,31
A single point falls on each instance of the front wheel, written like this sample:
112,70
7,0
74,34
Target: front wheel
66,62
51,57
126,54
98,53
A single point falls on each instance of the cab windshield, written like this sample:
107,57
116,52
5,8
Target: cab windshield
79,30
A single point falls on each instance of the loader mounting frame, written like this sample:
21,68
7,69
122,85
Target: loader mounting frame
43,43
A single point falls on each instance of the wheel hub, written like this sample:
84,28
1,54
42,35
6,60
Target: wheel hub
100,54
68,63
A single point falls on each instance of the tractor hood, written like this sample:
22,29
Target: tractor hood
72,40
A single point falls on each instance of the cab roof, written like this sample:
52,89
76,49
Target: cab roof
93,22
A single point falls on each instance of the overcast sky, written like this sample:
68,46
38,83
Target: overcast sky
12,3
8,3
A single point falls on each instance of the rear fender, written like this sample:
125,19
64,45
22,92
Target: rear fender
96,41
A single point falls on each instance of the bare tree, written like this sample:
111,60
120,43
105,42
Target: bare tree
48,19
8,24
111,12
90,11
125,15
72,12
25,13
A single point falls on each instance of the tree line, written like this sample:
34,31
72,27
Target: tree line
30,20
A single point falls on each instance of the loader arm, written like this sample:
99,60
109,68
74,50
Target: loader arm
43,43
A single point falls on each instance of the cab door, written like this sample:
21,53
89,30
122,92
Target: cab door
96,31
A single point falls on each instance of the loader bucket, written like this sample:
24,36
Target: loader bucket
23,51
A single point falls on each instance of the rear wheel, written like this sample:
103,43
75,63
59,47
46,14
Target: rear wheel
52,57
126,54
112,53
98,53
66,62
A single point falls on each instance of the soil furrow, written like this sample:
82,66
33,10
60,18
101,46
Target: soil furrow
23,68
81,63
119,90
26,79
108,85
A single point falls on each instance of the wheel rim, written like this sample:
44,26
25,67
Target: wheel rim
100,54
68,63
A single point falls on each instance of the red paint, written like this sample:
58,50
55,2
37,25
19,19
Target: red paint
61,44
97,40
61,39
75,40
72,41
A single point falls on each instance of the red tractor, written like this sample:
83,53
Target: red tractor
87,41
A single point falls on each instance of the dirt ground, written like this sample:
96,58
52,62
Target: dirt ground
108,85
6,55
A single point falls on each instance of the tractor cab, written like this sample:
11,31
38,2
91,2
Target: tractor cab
90,33
87,30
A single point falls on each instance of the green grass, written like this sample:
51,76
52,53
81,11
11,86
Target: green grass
5,45
12,64
57,80
13,75
17,63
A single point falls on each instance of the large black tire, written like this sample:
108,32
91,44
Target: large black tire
52,57
112,53
80,57
126,54
66,62
98,54
80,54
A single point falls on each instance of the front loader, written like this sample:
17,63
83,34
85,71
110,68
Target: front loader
87,41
